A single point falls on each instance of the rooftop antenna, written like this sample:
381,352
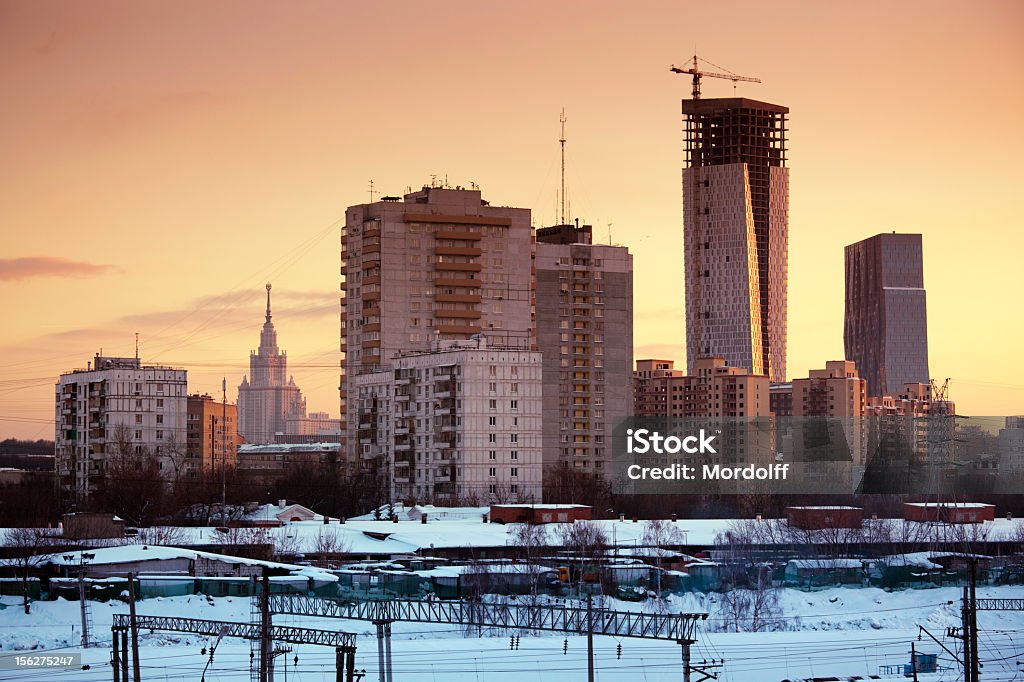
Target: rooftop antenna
136,345
609,234
372,190
561,141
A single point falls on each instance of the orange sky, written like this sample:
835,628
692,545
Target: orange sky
162,161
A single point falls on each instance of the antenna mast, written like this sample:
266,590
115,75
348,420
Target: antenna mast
561,141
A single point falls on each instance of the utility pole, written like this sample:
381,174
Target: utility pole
913,661
975,663
266,645
965,622
224,452
83,601
590,637
136,668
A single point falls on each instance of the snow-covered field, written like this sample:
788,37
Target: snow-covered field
837,632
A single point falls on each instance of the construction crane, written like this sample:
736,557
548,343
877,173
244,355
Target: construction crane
697,74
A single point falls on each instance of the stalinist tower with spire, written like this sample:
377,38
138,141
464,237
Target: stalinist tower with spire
266,398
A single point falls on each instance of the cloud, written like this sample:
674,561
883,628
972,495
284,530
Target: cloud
15,269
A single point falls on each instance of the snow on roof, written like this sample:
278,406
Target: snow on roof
129,553
289,447
954,505
827,563
826,507
541,506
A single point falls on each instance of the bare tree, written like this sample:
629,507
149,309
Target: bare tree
132,486
30,548
659,533
329,543
532,542
246,536
749,599
162,536
175,454
286,542
585,541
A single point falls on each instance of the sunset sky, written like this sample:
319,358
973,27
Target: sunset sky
161,161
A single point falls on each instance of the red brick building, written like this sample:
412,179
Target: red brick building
949,512
820,518
539,513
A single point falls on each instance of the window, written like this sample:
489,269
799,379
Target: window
492,387
492,472
514,437
515,472
515,388
492,454
514,405
492,421
138,404
492,438
159,419
138,419
492,404
159,435
514,454
160,402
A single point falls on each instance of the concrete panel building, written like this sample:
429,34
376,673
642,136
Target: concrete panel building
438,264
658,389
584,313
886,327
714,390
736,233
458,423
118,410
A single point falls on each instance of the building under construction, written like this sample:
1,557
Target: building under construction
736,215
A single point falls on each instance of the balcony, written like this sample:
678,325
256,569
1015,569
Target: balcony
471,251
458,234
458,329
450,280
458,298
458,267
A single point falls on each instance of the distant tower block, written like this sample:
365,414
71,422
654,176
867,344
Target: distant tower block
886,326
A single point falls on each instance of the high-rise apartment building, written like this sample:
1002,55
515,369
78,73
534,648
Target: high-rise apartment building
117,411
212,434
714,390
268,397
736,233
435,265
658,389
584,313
886,329
459,422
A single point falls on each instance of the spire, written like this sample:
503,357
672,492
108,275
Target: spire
268,302
268,337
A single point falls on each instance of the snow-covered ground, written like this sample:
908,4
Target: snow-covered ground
837,632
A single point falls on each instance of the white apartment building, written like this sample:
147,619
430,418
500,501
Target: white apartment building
461,422
118,407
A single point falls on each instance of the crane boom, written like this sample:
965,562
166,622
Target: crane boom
697,74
